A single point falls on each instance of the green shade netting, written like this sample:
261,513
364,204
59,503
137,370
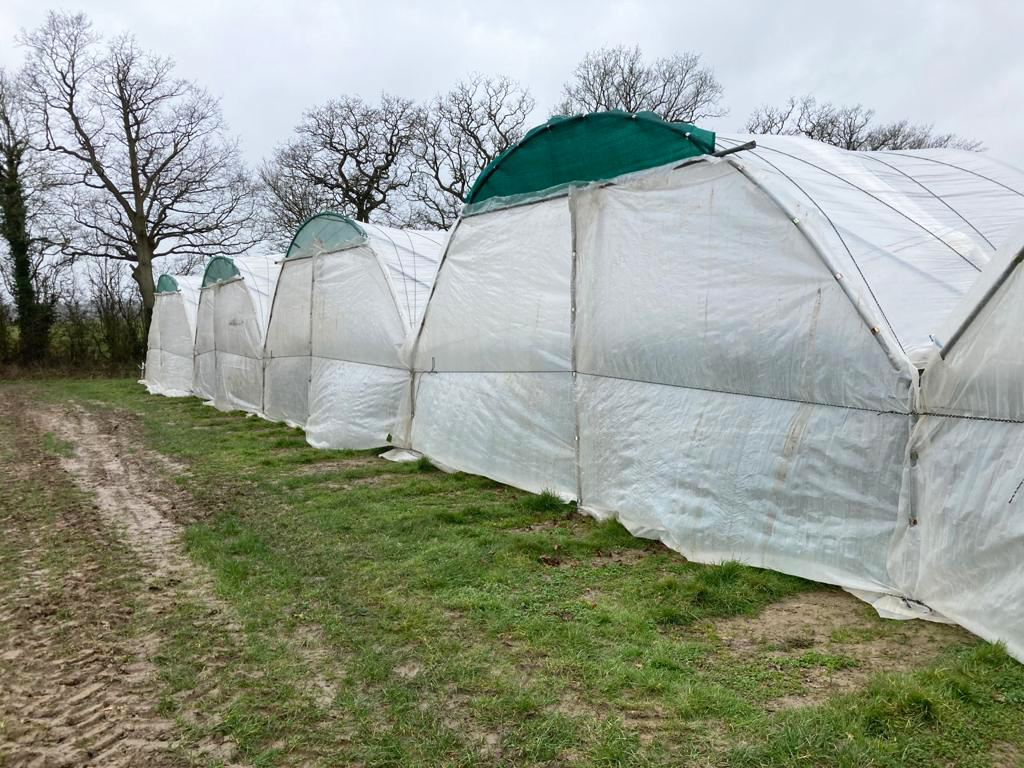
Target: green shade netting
327,232
600,145
166,284
219,270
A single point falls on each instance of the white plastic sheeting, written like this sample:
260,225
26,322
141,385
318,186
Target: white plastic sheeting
495,397
343,311
230,326
724,356
172,334
966,464
913,230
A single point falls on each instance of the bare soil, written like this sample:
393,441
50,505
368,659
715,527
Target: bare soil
96,703
1005,755
79,687
833,622
75,689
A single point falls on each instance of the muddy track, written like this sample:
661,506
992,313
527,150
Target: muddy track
74,690
77,682
134,494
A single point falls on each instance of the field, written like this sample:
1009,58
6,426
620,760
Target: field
180,586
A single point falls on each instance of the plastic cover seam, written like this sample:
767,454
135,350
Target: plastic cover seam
336,360
681,386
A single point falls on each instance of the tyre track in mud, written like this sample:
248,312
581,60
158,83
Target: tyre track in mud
78,686
73,691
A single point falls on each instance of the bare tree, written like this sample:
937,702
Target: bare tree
849,127
346,155
287,198
462,132
186,264
120,335
30,273
155,173
676,87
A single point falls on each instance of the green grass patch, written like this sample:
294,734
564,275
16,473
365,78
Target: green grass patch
462,622
54,446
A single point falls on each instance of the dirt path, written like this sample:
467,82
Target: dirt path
81,700
134,500
77,682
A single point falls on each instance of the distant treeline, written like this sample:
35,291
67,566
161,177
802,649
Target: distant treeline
101,334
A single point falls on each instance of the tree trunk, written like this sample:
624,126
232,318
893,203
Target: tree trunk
34,320
142,273
5,336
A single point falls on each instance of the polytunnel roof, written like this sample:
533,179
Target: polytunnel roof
325,232
166,284
258,274
591,147
220,269
408,257
187,286
1008,258
913,228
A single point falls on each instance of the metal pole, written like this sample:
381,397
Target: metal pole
731,150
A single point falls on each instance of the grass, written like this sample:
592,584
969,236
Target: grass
460,622
57,447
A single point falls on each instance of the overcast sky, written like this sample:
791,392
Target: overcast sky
959,65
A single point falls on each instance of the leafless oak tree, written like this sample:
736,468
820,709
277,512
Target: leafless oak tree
849,127
155,173
348,156
287,198
679,87
462,132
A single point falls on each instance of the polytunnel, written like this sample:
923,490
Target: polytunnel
172,334
967,460
230,327
348,296
722,352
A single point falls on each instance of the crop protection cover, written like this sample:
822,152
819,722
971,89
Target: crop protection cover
347,300
724,356
172,333
233,309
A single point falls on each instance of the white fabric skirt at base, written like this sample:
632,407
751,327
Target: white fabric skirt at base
286,390
172,376
204,376
796,487
239,383
516,428
969,482
353,406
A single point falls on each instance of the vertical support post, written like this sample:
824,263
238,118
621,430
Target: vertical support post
573,274
314,261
